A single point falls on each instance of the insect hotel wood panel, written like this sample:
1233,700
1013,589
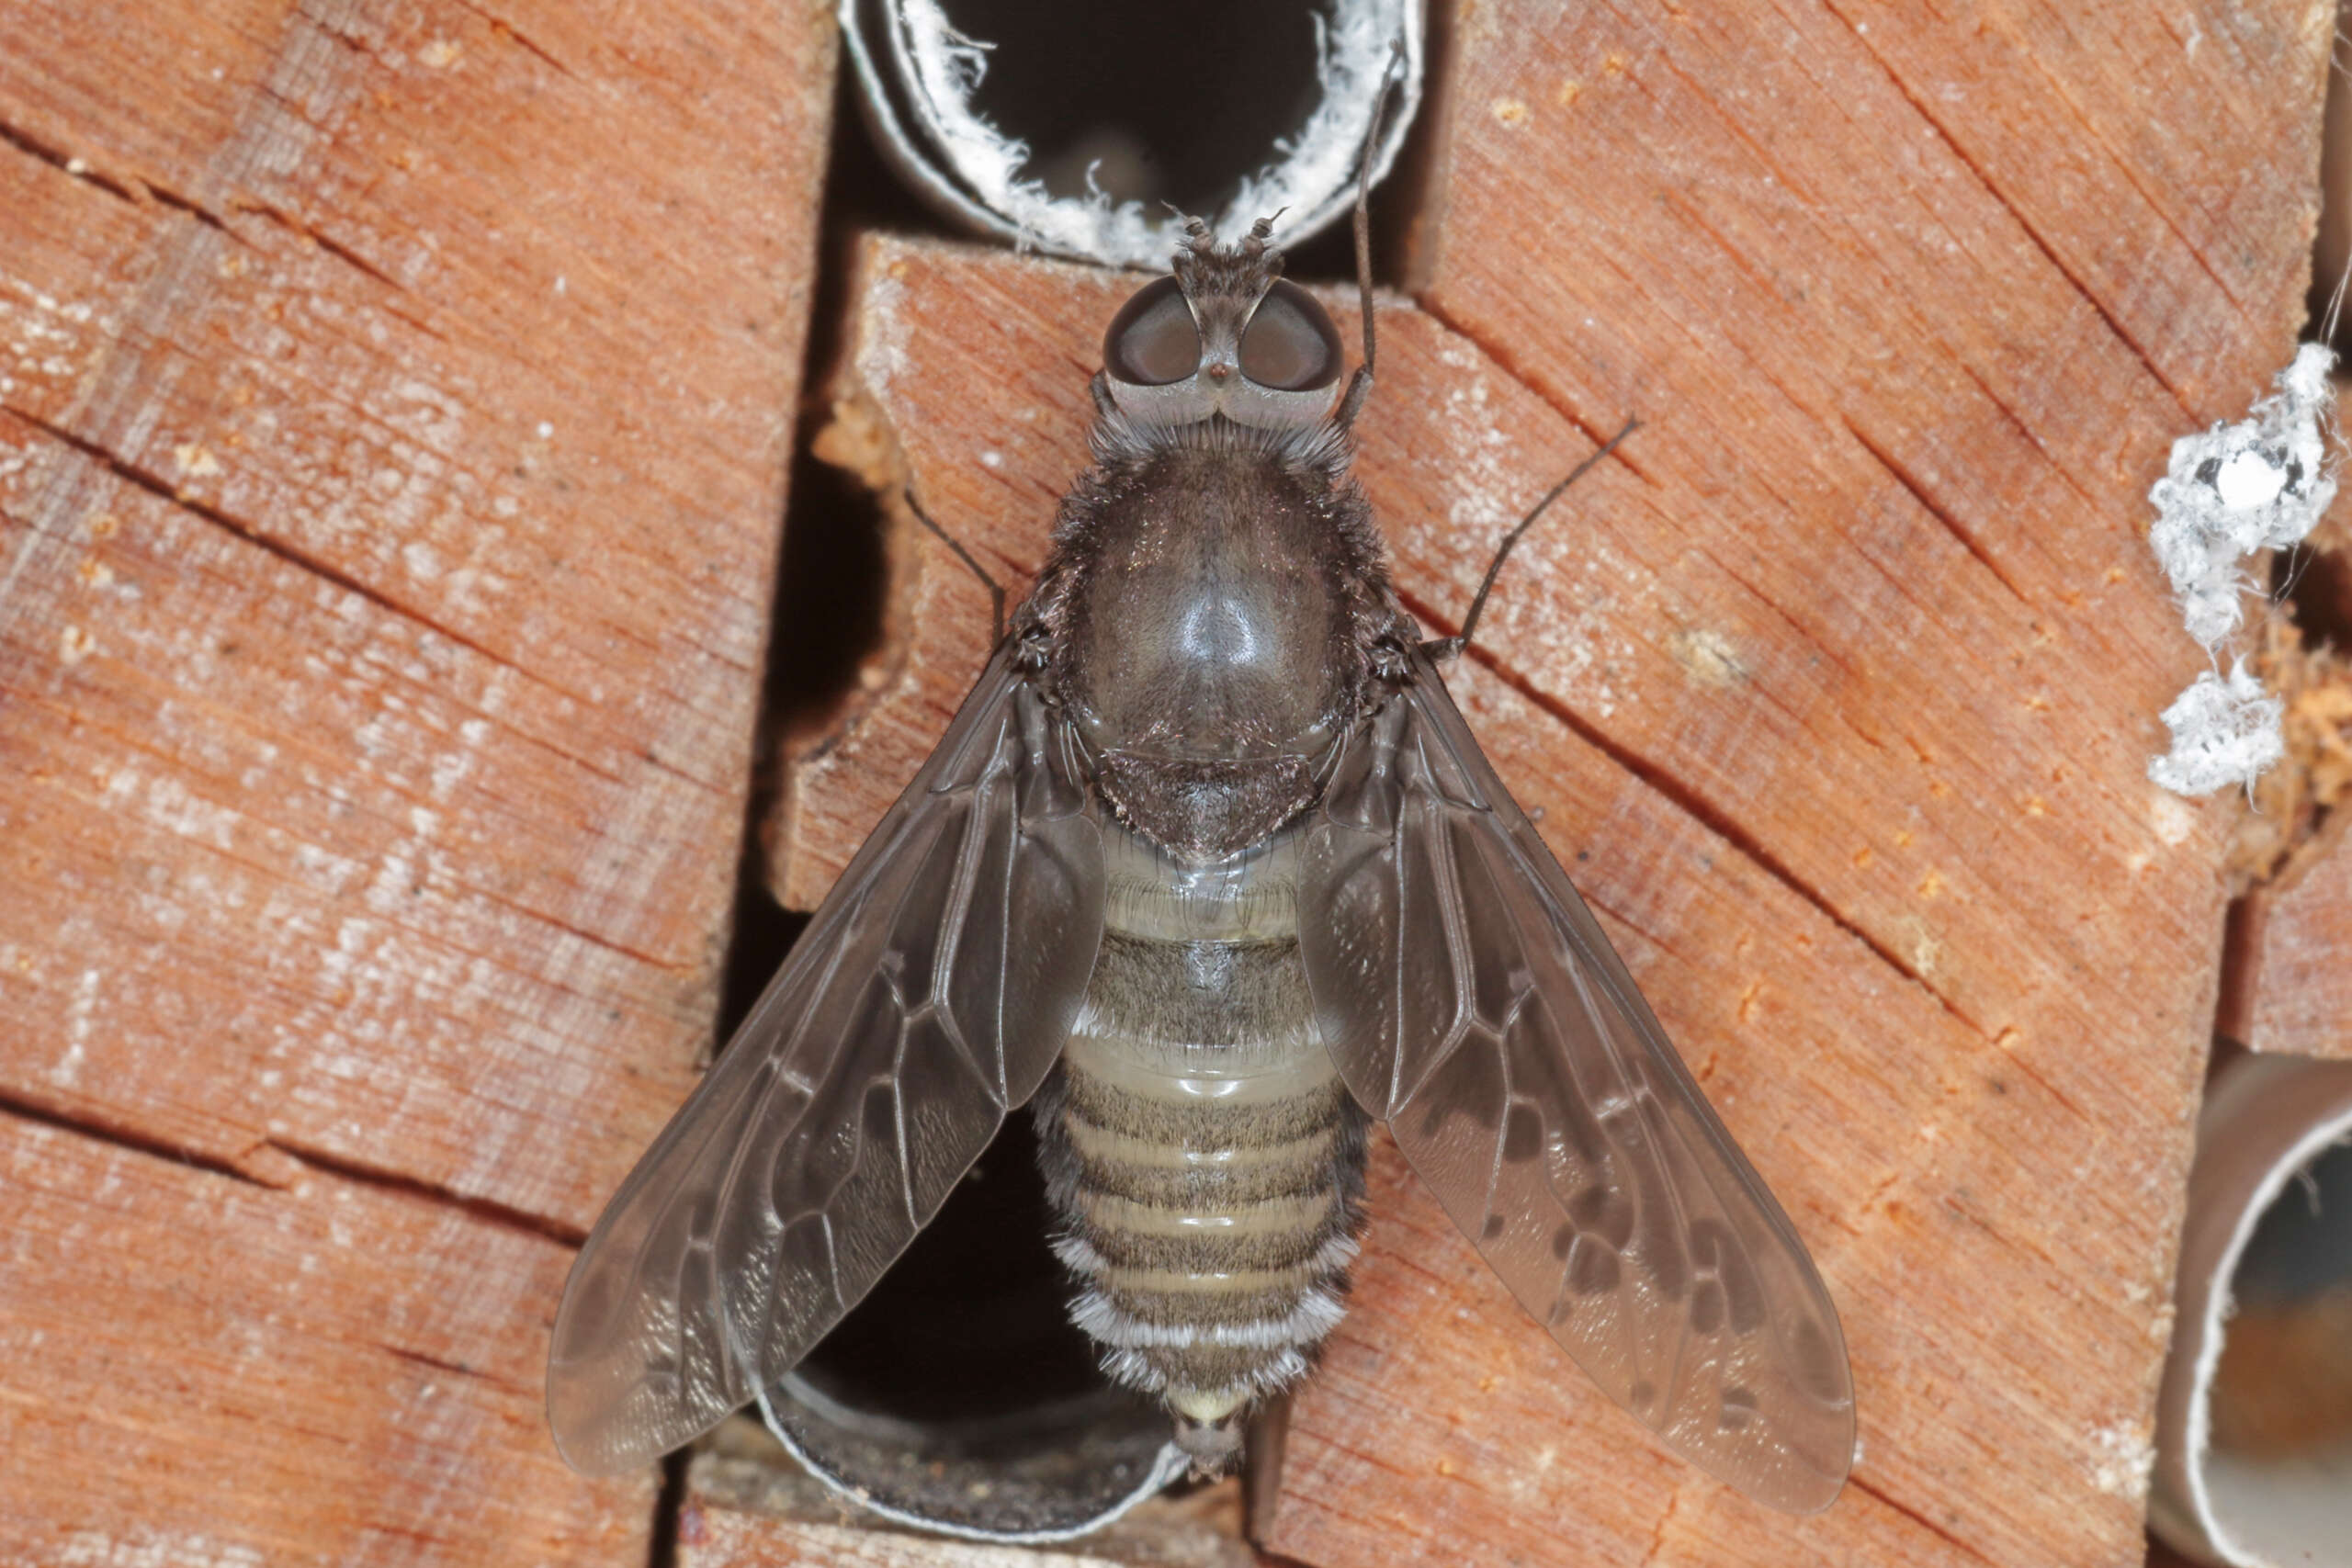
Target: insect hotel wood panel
397,402
396,406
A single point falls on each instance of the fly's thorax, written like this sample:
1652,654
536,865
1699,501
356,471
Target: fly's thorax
1199,1147
1208,625
1207,614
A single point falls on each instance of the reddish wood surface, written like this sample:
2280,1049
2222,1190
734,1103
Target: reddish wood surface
1917,303
212,1372
1835,695
2288,985
2296,953
394,411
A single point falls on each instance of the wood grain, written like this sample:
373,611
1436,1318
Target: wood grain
1835,695
395,403
213,1373
2293,991
1917,305
2288,984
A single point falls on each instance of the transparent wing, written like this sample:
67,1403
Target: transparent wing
1471,1000
932,993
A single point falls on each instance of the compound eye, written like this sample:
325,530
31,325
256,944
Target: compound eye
1152,340
1290,344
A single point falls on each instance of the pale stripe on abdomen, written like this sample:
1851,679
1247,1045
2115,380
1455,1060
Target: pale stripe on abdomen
1198,1149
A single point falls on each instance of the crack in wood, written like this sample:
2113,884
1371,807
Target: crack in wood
348,41
1693,805
139,190
2025,226
1917,1518
2093,134
1829,651
1664,1524
608,944
1778,172
2062,1273
333,247
501,27
2064,470
546,1227
25,1108
2001,1043
1503,360
1639,930
68,165
1366,1457
156,485
456,1368
246,1169
142,186
1935,508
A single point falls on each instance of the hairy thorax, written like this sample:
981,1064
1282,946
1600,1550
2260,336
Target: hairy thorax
1210,642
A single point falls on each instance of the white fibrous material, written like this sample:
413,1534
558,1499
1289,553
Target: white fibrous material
918,74
2223,733
2261,483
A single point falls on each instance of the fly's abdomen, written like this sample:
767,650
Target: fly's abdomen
1199,1147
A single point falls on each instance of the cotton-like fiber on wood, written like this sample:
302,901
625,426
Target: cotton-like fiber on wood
2261,483
2223,732
2258,484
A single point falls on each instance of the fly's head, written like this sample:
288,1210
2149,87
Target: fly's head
1223,338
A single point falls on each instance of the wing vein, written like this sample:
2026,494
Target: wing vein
1631,1224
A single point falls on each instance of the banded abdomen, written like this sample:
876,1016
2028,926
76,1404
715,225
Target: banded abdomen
1198,1149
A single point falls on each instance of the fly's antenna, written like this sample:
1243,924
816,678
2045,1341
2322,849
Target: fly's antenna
2335,313
1445,647
995,589
1363,193
1361,387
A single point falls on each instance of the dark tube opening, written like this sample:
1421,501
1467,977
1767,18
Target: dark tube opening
1173,104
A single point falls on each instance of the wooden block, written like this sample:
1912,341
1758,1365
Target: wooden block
1916,330
2291,988
989,468
395,405
1914,305
2288,984
1835,695
210,1371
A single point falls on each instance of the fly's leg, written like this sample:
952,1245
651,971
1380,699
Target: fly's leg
1442,648
995,589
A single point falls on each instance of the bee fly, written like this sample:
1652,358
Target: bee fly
1209,872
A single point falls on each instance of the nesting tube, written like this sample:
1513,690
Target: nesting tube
1029,1476
2254,1420
1075,128
958,1398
